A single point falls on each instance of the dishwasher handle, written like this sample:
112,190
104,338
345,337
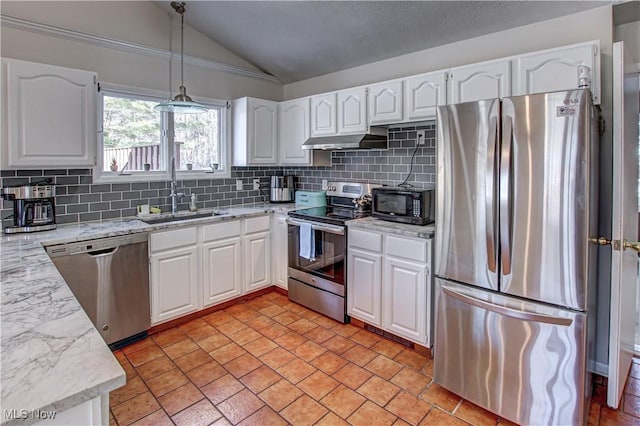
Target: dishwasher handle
103,252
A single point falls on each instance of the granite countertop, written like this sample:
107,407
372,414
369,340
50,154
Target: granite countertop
374,224
53,358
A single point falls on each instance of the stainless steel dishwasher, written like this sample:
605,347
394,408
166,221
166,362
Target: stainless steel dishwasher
110,279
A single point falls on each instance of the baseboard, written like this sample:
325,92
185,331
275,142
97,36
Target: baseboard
599,368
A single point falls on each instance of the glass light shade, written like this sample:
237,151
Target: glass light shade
181,104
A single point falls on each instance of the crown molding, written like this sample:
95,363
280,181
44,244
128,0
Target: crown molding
126,46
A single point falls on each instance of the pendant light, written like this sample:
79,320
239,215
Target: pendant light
182,103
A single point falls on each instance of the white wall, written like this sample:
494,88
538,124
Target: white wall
630,34
140,22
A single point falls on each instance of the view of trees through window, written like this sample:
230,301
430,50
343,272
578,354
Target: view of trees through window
132,136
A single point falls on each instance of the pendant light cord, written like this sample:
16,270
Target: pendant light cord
182,49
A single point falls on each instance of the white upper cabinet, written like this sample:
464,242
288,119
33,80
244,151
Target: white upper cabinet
294,131
352,111
556,69
423,93
385,102
323,115
255,132
486,80
49,115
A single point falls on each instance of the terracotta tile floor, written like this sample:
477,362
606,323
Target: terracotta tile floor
272,362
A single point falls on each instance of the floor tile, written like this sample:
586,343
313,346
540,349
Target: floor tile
218,318
303,411
319,335
136,346
260,379
135,408
387,348
227,353
437,417
222,388
245,313
242,365
167,382
258,303
632,405
130,371
309,350
132,388
324,321
360,355
318,385
201,332
329,362
378,390
338,344
427,370
365,338
231,327
280,395
408,407
296,370
594,414
260,322
199,414
363,415
271,311
206,373
411,359
411,381
352,376
155,368
290,340
274,331
286,318
277,357
260,346
344,330
383,367
180,398
180,349
302,326
221,422
264,417
245,336
169,337
213,342
144,355
157,418
192,360
475,415
437,395
331,419
240,406
343,401
192,325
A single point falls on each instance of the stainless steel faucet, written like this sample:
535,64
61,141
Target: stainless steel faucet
174,187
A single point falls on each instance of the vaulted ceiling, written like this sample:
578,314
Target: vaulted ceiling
296,40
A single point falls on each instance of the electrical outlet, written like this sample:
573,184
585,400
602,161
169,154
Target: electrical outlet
256,184
325,184
238,184
422,135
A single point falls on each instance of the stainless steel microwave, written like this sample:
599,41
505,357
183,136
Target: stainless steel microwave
405,205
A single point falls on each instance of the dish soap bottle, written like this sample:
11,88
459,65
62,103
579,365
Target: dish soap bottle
192,205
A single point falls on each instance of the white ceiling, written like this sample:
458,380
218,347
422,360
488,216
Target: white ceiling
296,40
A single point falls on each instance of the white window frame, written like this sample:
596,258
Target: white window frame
167,141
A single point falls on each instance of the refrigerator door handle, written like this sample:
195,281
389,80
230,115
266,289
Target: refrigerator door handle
490,192
505,194
513,313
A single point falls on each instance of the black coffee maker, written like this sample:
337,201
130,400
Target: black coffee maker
34,207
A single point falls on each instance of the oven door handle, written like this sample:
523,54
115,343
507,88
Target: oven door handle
338,230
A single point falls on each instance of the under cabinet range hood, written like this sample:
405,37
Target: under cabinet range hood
376,138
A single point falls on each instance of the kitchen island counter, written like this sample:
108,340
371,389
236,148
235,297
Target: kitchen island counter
374,224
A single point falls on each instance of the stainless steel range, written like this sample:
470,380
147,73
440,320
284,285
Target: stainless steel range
318,248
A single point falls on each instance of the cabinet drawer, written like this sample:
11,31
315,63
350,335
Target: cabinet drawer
219,231
257,224
164,240
370,241
407,248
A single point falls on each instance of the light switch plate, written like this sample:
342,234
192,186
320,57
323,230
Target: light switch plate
238,184
422,135
325,184
256,183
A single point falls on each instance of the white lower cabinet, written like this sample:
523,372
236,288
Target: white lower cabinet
174,274
389,283
364,285
197,267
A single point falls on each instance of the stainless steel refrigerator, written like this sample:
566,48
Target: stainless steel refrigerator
515,273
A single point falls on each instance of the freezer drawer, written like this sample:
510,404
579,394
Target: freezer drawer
523,361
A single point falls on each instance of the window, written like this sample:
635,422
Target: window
138,143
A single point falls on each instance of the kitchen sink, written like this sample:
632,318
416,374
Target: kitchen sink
180,216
